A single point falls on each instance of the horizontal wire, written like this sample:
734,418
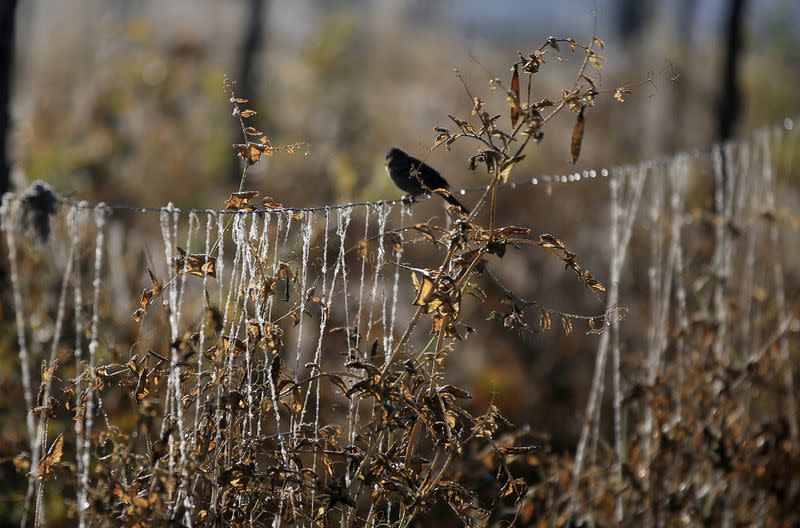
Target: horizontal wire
787,125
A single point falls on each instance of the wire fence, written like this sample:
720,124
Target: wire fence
248,312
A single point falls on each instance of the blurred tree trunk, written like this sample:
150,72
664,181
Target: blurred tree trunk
729,103
728,110
631,17
252,45
8,9
684,23
729,107
633,26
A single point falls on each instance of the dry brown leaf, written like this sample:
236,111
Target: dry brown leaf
577,136
566,323
52,458
196,264
544,320
241,200
516,108
424,291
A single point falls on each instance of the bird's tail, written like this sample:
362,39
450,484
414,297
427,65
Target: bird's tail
453,201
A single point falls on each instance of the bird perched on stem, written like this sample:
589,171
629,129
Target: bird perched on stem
416,178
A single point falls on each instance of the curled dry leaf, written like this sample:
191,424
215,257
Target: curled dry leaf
53,457
516,108
196,264
241,201
249,152
507,166
425,289
269,203
457,392
620,93
544,320
148,296
577,136
550,242
426,231
465,126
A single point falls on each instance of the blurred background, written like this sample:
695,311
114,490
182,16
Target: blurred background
112,99
123,101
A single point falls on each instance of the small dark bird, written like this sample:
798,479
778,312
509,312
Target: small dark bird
416,178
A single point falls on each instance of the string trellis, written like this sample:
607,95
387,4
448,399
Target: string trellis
312,295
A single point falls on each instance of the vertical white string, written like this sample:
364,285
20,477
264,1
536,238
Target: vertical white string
624,210
240,285
384,297
41,437
80,488
719,156
253,264
201,394
271,381
275,255
193,224
377,274
228,325
398,253
168,234
323,322
263,252
7,219
343,222
754,191
100,213
678,176
655,278
306,226
780,289
615,352
363,257
220,258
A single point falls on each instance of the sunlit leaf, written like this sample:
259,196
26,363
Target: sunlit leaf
566,323
241,200
196,264
506,167
424,291
52,458
544,320
620,93
465,126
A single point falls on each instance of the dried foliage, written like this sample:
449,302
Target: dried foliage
252,452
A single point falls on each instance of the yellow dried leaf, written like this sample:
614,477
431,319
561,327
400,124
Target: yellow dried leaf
544,320
620,93
53,457
566,323
241,200
424,291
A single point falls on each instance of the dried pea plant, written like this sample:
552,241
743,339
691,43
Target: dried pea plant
226,428
294,381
